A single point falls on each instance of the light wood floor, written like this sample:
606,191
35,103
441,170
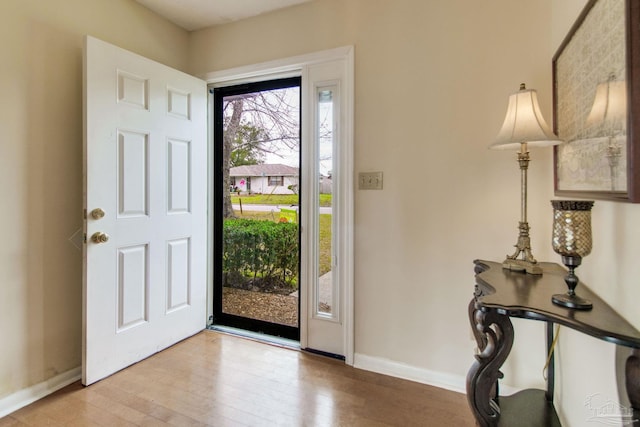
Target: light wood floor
213,379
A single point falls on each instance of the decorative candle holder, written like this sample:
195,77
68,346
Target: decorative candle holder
572,240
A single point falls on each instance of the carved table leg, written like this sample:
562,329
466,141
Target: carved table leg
632,375
494,334
481,338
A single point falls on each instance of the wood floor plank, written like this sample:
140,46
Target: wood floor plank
214,379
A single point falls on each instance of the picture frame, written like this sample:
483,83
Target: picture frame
596,104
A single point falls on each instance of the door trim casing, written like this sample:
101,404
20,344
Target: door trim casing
289,67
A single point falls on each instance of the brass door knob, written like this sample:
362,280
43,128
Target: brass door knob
99,237
97,213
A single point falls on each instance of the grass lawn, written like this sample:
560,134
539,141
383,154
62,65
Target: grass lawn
325,234
325,243
276,199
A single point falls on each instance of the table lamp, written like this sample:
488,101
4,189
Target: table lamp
523,127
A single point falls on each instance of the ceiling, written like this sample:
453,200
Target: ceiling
197,14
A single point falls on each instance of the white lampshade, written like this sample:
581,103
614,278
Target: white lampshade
524,123
609,108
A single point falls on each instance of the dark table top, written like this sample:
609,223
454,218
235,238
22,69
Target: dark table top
518,294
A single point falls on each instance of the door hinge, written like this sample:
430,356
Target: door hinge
84,213
84,238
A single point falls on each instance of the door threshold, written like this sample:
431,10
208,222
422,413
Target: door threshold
257,336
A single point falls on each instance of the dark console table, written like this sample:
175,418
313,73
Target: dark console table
501,294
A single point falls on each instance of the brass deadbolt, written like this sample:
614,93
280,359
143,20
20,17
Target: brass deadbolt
99,237
97,213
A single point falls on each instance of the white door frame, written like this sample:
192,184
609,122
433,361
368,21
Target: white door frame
289,67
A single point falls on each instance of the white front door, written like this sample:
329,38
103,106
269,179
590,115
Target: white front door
145,159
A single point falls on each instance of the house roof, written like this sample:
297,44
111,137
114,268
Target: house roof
264,170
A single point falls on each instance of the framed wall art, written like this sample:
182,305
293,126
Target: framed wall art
596,104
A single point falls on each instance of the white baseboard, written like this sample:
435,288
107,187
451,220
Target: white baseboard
457,383
24,397
408,372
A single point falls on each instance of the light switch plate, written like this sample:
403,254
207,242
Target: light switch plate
370,180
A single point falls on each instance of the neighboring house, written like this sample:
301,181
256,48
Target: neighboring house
326,185
265,179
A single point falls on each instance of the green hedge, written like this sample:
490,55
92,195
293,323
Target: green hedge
263,250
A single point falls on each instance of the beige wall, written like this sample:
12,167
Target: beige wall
41,170
432,82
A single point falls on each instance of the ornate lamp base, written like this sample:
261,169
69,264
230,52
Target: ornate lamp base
522,259
521,265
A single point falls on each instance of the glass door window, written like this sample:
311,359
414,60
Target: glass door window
324,295
256,181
